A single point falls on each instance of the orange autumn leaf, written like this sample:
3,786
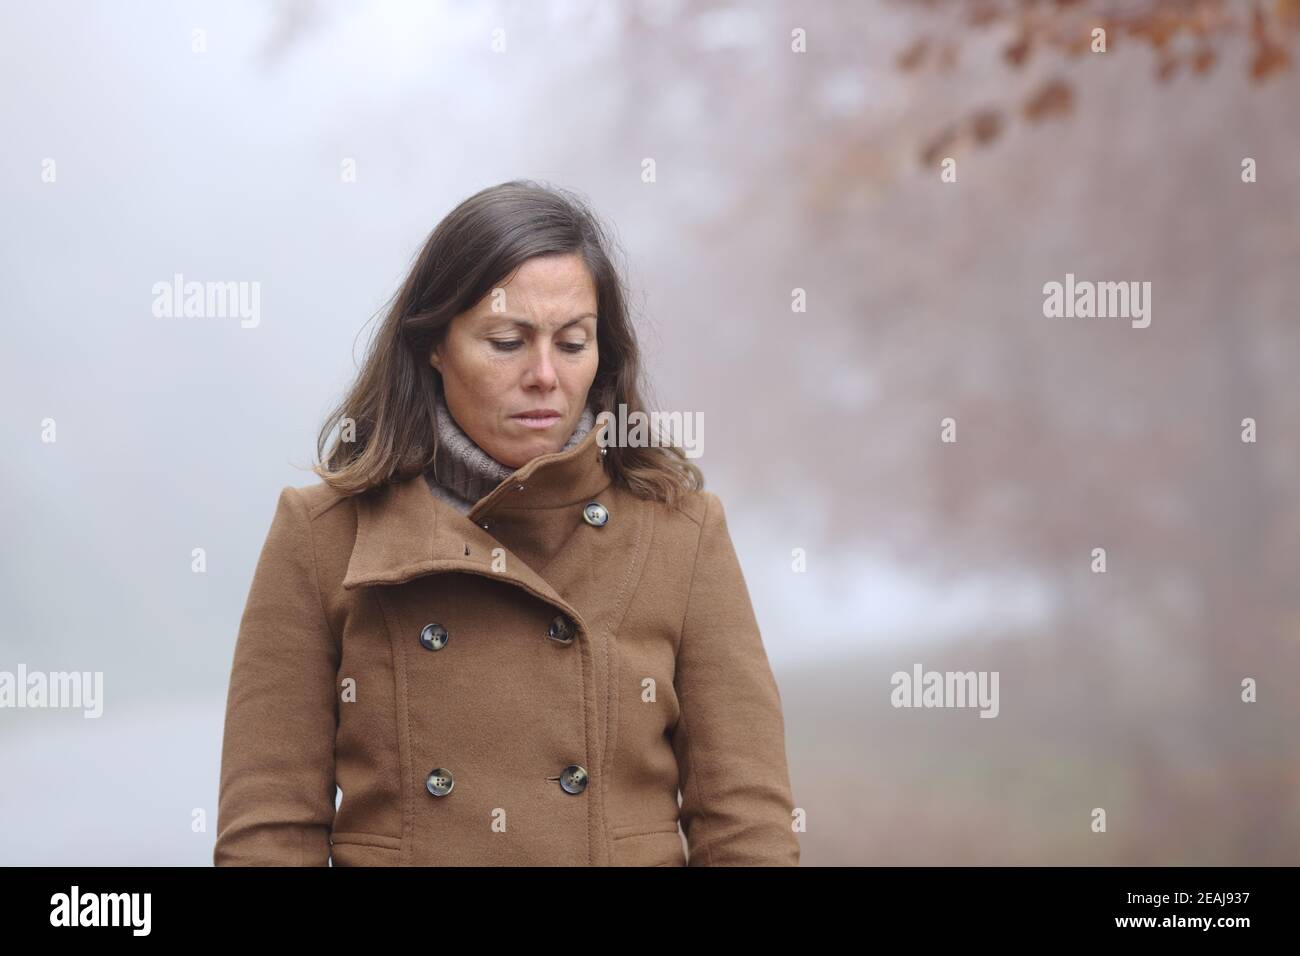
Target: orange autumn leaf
1269,58
1054,98
913,56
1018,52
983,13
985,126
939,147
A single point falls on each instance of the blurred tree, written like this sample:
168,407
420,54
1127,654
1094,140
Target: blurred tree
1185,34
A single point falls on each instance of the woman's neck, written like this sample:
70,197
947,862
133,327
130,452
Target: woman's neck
463,472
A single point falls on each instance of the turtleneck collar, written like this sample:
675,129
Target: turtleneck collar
463,473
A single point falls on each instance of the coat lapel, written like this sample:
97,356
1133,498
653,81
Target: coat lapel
404,532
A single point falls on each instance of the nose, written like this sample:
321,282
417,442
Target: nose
541,373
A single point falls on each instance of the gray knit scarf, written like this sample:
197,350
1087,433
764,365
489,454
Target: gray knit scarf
464,471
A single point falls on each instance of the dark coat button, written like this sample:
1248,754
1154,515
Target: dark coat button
595,514
439,782
573,778
434,637
561,629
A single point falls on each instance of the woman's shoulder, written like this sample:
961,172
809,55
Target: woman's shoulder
319,506
693,508
317,497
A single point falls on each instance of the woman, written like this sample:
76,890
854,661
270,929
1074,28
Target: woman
502,638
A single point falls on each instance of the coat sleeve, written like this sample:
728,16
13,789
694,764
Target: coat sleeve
736,807
276,800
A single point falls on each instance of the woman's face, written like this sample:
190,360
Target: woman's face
528,346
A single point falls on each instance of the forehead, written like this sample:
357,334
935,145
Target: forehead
550,277
550,291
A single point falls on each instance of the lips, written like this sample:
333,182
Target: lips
537,417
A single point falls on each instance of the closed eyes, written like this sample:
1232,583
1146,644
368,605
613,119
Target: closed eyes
511,345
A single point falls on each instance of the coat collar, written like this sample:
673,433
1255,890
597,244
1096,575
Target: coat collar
404,532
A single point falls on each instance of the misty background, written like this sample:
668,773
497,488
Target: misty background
775,170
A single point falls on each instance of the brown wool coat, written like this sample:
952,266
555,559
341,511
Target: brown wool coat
662,684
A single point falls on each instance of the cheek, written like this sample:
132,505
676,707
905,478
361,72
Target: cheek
580,373
489,372
590,375
482,386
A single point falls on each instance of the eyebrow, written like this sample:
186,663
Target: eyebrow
528,324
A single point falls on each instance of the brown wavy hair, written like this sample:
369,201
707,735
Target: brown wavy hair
391,406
